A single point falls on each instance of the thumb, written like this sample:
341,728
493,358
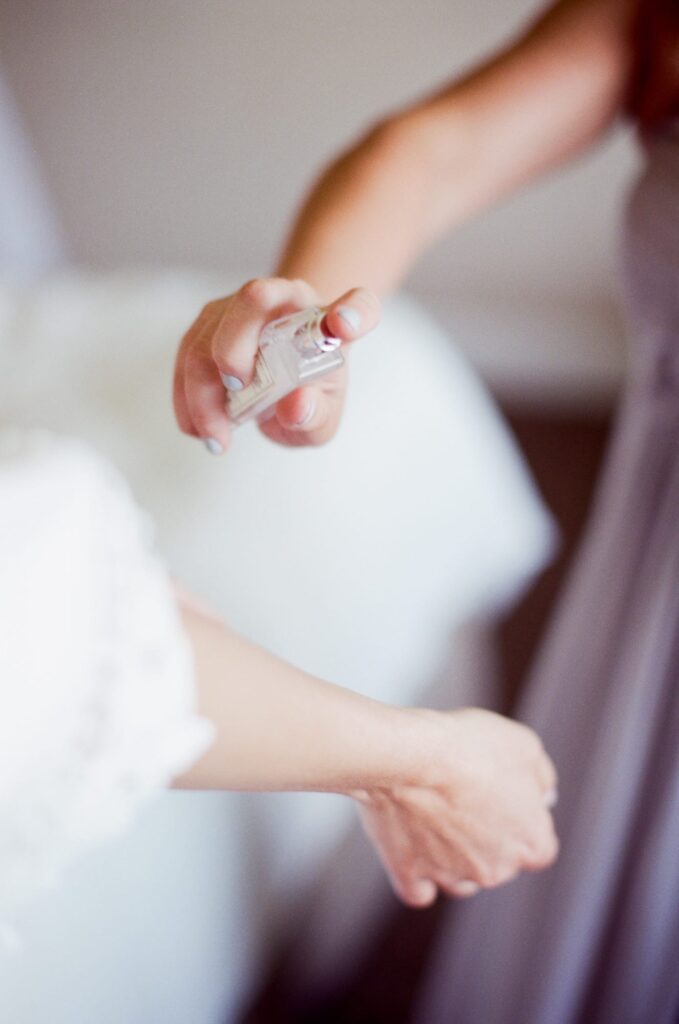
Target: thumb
352,315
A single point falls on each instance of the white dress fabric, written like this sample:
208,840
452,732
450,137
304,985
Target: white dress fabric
96,685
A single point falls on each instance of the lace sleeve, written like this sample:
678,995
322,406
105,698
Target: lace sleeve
96,688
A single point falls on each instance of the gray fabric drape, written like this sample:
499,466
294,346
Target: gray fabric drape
595,940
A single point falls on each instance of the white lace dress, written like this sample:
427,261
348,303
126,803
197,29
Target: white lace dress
96,688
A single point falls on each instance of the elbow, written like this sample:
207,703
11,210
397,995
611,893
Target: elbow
415,147
400,150
413,137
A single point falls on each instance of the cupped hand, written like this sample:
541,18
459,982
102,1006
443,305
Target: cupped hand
471,810
219,349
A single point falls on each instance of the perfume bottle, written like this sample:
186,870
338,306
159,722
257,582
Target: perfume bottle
293,351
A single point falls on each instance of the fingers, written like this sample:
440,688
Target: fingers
543,848
311,416
542,764
181,409
308,416
546,770
393,847
220,349
416,873
471,831
417,892
236,335
198,396
306,409
488,871
205,403
353,314
464,888
542,845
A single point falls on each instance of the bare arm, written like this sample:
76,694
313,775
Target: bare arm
278,728
540,102
451,800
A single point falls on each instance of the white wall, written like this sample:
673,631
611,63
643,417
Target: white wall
183,132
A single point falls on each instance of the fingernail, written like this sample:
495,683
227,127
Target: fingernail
551,798
213,445
426,892
466,888
350,316
308,415
232,383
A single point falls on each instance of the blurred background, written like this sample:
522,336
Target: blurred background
183,134
151,156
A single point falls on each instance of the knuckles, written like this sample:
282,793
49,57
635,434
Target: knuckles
261,292
491,876
367,298
257,292
210,311
416,895
303,292
543,852
550,850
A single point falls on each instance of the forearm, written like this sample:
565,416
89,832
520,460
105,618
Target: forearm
540,102
364,221
277,728
451,801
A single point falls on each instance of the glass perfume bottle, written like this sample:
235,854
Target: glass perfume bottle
293,351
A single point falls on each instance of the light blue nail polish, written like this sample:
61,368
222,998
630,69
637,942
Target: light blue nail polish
308,416
350,316
232,383
213,445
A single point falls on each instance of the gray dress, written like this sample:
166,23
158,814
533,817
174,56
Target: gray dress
595,940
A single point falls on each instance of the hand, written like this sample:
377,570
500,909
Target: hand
219,351
471,809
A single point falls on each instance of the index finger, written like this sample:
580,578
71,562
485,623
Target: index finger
236,335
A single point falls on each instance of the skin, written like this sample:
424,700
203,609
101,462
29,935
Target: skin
420,173
223,340
451,800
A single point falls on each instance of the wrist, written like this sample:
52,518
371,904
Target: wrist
406,755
